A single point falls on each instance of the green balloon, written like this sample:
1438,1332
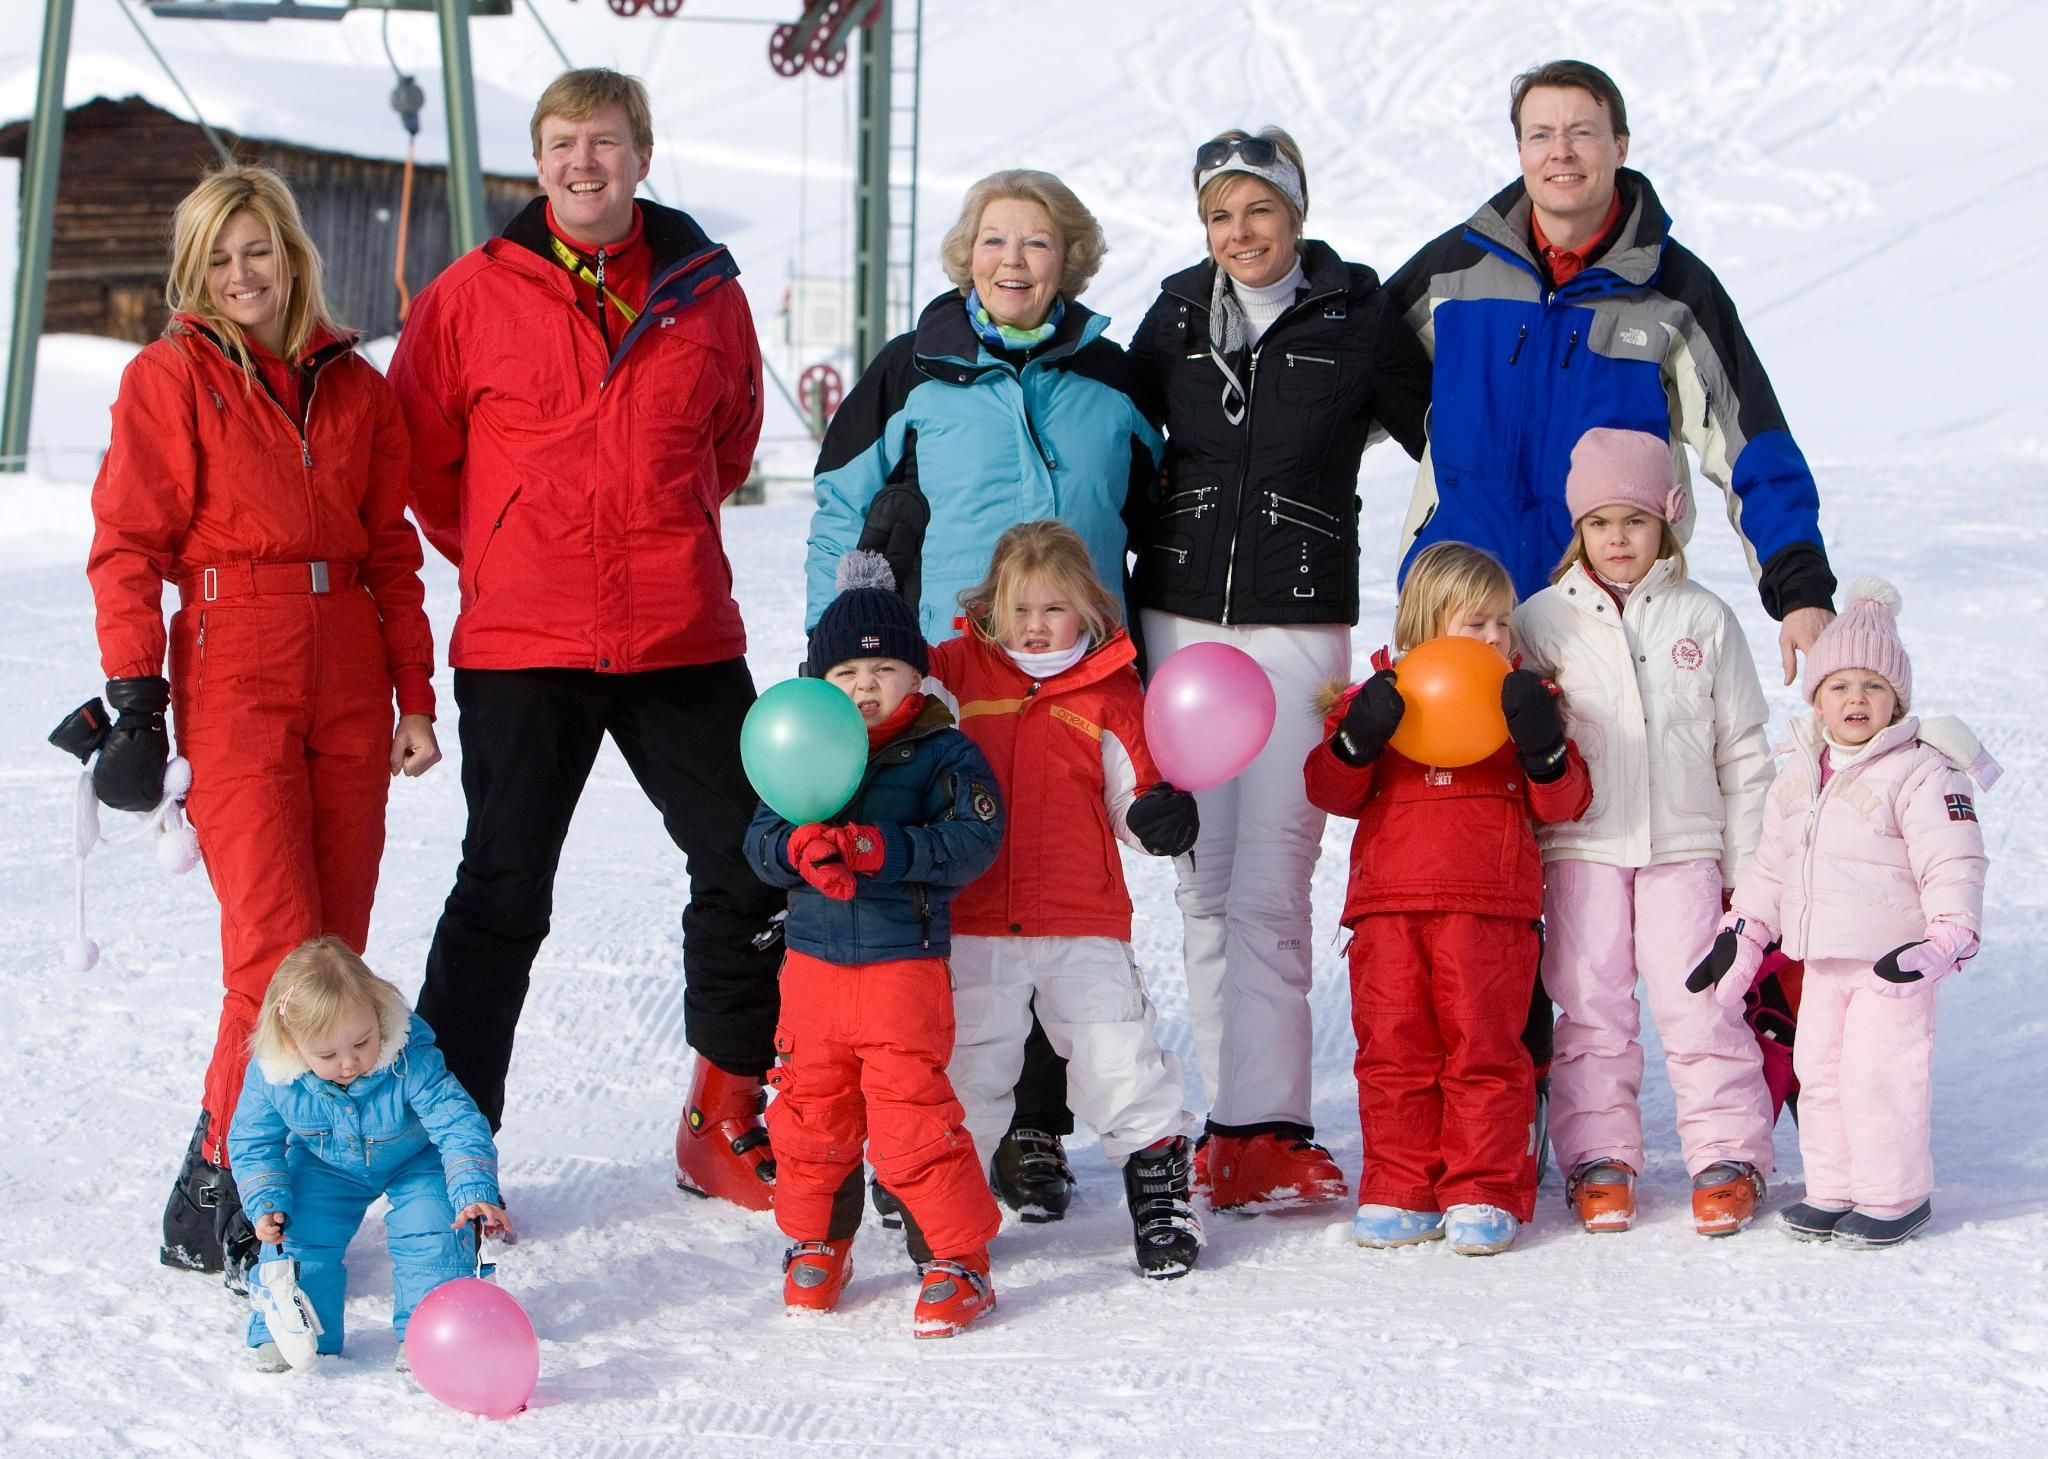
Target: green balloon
805,748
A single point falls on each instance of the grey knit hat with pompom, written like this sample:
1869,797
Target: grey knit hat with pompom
868,620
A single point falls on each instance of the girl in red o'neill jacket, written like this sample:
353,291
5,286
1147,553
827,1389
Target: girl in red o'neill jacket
1446,889
1043,682
258,465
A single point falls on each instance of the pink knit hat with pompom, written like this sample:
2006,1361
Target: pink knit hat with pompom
1866,636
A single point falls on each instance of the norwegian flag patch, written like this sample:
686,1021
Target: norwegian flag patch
871,641
1961,808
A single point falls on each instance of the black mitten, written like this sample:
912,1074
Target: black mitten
1715,965
1535,724
129,773
1165,820
1374,715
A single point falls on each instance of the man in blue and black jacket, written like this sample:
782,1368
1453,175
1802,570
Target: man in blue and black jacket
1565,304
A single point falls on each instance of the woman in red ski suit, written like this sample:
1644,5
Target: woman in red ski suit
258,465
1445,894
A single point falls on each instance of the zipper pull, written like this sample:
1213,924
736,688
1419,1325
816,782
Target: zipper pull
306,452
1520,337
1570,345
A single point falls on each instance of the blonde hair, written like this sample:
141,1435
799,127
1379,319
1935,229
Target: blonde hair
1049,549
1442,580
1668,545
316,985
1081,242
196,227
577,96
1206,198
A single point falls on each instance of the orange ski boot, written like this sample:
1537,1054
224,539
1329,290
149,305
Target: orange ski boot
956,1291
1725,1197
1271,1172
814,1273
721,1145
1603,1195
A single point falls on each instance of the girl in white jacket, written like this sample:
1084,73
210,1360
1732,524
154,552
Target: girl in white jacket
1662,698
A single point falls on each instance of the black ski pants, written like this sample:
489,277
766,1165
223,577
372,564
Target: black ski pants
529,738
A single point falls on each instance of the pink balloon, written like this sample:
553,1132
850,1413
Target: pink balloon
472,1346
1208,712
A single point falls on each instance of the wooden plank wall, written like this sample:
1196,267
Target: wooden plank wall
127,163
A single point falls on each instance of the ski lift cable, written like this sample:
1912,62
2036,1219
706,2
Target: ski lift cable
227,158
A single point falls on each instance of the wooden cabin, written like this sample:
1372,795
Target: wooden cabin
127,163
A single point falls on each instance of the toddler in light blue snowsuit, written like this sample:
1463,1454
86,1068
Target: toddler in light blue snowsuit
347,1099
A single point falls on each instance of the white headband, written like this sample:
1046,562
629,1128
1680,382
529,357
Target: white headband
1282,174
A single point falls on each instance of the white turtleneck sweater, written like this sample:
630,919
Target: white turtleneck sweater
1263,306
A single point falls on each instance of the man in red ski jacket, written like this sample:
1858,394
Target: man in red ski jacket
584,392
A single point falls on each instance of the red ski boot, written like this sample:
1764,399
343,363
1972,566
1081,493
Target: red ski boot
814,1273
1271,1172
721,1145
955,1292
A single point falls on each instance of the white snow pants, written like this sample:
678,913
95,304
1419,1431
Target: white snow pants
1091,1001
1244,893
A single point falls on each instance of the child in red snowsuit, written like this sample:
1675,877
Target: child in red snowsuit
866,1026
1445,892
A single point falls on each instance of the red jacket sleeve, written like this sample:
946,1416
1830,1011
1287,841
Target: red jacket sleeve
1565,798
1333,786
736,425
142,505
431,398
391,568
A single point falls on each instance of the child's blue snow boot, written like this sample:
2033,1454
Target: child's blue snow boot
1479,1230
1378,1226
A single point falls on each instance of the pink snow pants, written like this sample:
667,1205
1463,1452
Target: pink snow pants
1864,1063
1604,925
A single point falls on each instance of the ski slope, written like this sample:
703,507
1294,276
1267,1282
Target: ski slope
1867,180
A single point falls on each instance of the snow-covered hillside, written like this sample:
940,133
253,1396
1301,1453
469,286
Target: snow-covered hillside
1867,180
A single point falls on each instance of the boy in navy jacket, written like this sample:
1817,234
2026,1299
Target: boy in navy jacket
867,1010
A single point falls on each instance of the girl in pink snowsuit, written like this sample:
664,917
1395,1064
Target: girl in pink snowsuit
1871,867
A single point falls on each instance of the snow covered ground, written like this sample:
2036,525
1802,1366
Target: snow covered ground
1867,180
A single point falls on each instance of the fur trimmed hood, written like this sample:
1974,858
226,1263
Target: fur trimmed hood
394,1024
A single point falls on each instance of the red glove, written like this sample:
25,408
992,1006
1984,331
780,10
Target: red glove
814,856
860,847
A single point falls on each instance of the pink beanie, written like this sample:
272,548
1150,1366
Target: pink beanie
1866,636
1610,466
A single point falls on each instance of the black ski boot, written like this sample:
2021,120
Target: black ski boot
204,1228
1031,1175
1168,1233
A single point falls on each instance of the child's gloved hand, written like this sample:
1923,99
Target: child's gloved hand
1165,820
1535,724
1375,713
862,848
814,856
1731,964
1917,965
496,1222
270,1228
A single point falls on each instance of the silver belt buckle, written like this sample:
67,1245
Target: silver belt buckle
319,570
209,585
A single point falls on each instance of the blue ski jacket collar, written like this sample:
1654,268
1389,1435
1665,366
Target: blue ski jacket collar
1631,262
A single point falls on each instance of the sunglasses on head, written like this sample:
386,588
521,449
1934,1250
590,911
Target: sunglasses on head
1257,151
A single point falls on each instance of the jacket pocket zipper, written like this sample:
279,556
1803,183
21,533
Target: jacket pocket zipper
1276,518
1294,359
1180,554
476,574
1278,500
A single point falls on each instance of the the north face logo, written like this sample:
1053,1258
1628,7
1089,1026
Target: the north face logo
1686,654
1640,338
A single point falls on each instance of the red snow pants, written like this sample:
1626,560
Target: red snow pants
1446,1092
283,706
861,1055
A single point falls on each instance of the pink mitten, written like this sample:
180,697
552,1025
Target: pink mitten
1731,964
1916,965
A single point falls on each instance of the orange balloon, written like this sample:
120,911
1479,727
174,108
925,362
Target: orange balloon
1452,688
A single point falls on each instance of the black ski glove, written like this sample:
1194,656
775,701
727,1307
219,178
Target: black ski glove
129,773
1535,723
1165,820
1374,715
